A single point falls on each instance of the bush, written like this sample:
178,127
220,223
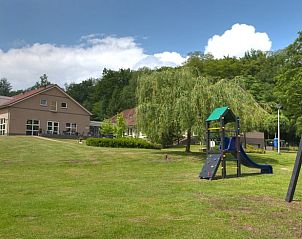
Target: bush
251,149
121,143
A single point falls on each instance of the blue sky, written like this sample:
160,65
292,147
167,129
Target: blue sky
154,27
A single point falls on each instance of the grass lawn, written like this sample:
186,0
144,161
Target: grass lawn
62,189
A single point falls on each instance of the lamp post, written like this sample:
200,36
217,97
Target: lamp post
279,106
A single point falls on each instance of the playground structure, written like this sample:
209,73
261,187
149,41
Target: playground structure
295,175
220,118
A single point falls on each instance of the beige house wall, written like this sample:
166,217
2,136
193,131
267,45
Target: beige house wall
19,118
51,95
30,109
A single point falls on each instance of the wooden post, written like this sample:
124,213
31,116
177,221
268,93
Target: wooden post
208,137
295,175
238,147
222,135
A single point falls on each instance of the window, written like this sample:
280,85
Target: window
32,127
52,127
64,105
43,102
2,126
130,131
71,128
53,105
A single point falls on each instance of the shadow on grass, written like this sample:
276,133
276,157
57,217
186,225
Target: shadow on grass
235,176
263,160
197,155
180,151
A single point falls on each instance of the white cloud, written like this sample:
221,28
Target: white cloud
23,66
238,40
171,59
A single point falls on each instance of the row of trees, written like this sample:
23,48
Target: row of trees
108,95
270,78
6,87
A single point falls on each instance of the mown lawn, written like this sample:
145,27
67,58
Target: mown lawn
64,189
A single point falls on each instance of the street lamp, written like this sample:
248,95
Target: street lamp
279,106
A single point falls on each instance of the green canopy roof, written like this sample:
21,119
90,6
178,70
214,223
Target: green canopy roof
222,111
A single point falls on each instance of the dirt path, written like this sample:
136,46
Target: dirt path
54,140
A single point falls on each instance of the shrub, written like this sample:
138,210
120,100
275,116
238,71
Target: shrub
121,143
251,149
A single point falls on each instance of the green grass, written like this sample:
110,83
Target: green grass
62,189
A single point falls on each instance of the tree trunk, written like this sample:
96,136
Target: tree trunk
188,141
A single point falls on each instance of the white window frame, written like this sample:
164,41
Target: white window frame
62,105
34,127
51,127
71,128
53,105
3,126
45,104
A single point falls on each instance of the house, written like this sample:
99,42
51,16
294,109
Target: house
131,125
48,111
94,129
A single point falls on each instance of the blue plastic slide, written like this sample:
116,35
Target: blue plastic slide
246,161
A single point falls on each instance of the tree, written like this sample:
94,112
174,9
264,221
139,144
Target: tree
106,127
271,123
119,126
42,83
175,101
83,92
289,83
5,87
114,92
117,129
156,102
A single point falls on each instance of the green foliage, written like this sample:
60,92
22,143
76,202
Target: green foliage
175,101
119,126
107,96
207,65
299,126
114,93
242,103
106,127
43,82
271,123
270,77
82,92
156,103
252,149
258,70
289,84
5,87
117,129
121,143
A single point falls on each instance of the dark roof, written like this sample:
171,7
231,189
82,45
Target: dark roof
129,116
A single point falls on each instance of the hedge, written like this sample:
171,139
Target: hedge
251,149
121,143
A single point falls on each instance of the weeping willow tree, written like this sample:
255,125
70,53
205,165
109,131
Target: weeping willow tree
175,101
230,93
156,108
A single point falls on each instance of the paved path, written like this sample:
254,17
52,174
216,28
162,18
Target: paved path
54,140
